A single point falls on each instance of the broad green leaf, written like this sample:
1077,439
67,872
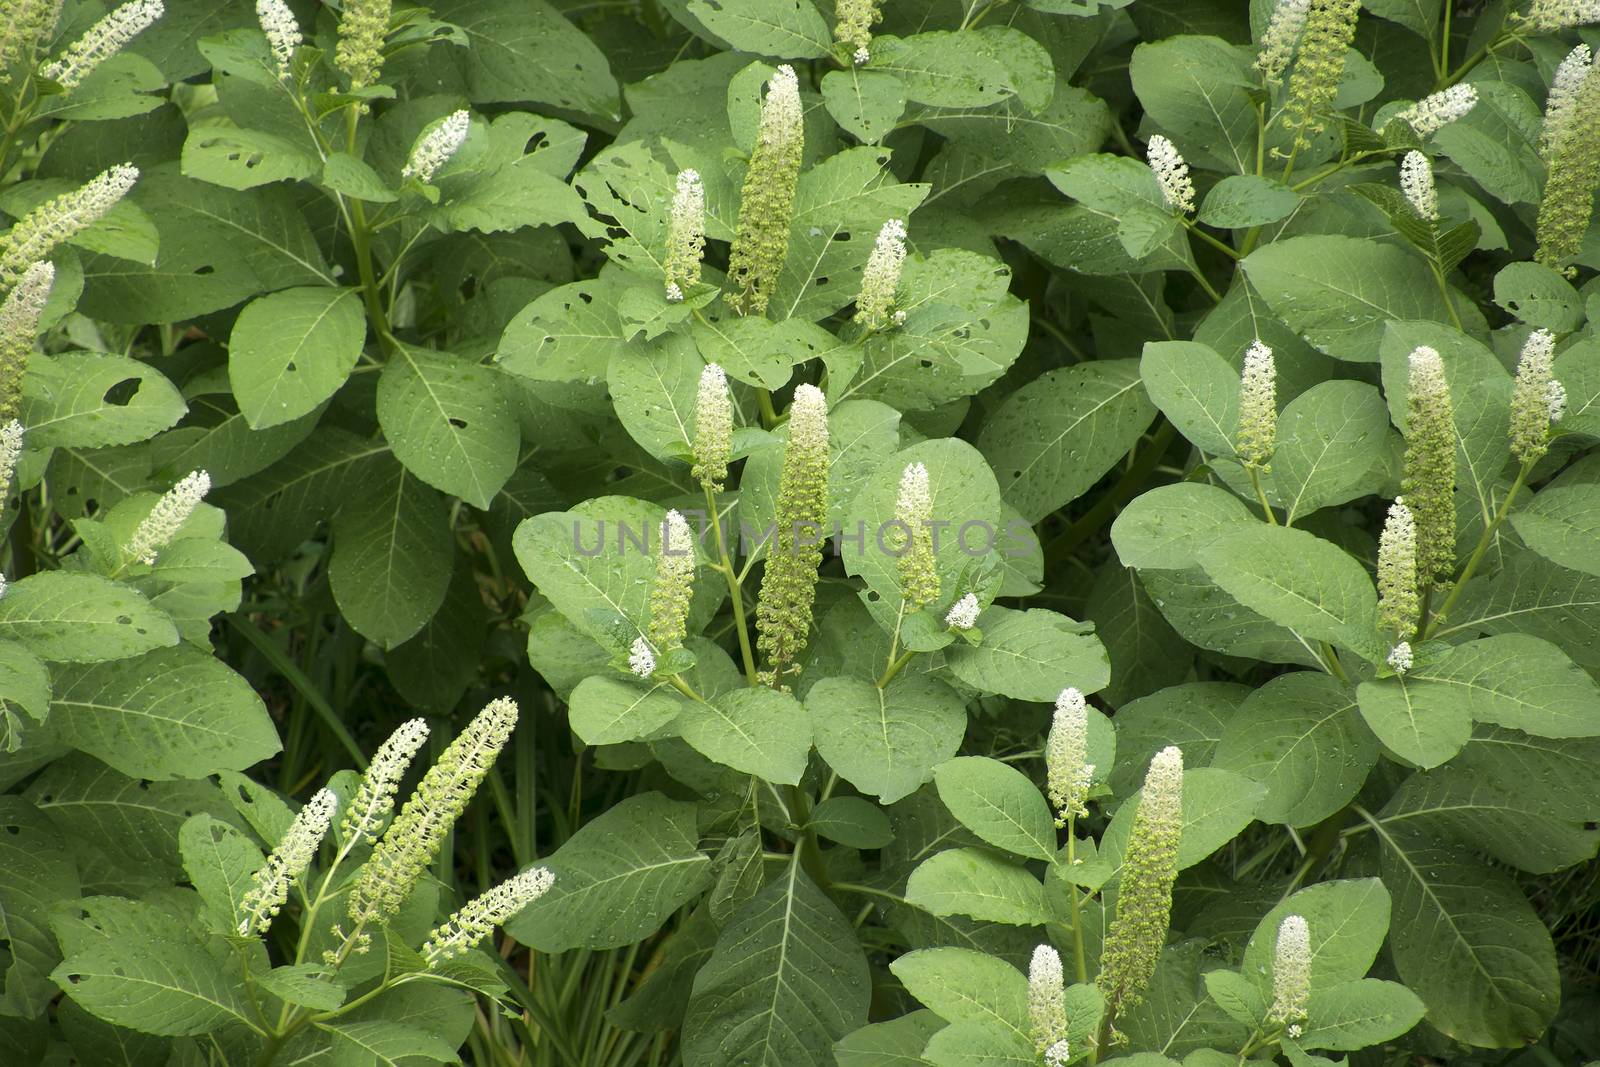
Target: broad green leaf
1168,526
943,69
304,984
1206,615
1327,438
1194,716
1176,1015
1217,804
24,691
1196,389
448,422
236,158
87,400
221,863
1051,440
998,803
1497,142
36,872
886,742
758,1001
1562,521
1467,942
1347,920
978,1044
292,350
526,50
787,29
567,335
125,231
757,731
1197,90
1359,1014
979,884
1300,735
607,710
1123,189
1146,653
139,966
172,713
1516,681
392,555
1242,200
852,821
898,1042
62,616
1423,723
1340,292
967,986
1031,655
866,103
1299,581
1539,295
121,86
511,184
653,388
618,878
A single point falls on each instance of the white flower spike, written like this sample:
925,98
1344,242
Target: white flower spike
437,146
471,924
283,32
1416,182
1437,110
287,864
641,660
105,39
169,514
963,614
1172,174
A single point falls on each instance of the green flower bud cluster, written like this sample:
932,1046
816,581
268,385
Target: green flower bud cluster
363,27
1258,407
25,25
766,206
913,512
1537,399
853,22
288,864
1574,155
60,219
789,586
674,585
1330,27
713,428
1399,605
1429,482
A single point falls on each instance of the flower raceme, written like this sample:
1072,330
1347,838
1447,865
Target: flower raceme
1068,774
1416,183
167,517
1561,106
283,32
10,453
437,146
19,326
1047,1005
1258,407
287,864
1537,399
472,923
686,235
880,280
1330,26
1283,32
1437,110
1429,482
1172,174
1399,604
1291,975
375,795
1571,145
919,574
363,27
27,24
766,205
713,428
103,40
853,22
60,219
1548,16
789,586
674,585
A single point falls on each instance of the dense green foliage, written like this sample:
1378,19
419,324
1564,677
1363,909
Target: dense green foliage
994,353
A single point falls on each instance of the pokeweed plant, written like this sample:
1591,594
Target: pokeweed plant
840,396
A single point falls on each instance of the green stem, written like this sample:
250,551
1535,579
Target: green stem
1484,540
1221,246
1261,494
735,591
1444,291
1080,961
806,849
894,668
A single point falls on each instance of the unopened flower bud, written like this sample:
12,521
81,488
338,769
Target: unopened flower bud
26,26
1283,33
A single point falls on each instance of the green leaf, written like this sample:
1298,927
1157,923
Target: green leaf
236,158
758,1001
1168,526
606,710
136,965
979,884
1124,189
526,50
1031,655
975,1044
344,173
618,878
172,713
998,803
1243,200
1197,91
36,872
1347,920
85,400
786,29
24,690
392,556
1340,292
1235,995
304,984
1467,942
1192,716
897,1042
1562,521
1516,681
1359,1014
943,69
1196,389
448,422
886,742
865,103
757,731
1051,440
121,86
966,986
292,350
62,616
1419,722
1217,805
1327,439
1300,581
567,335
653,388
511,185
221,863
1496,143
1300,736
1540,296
852,821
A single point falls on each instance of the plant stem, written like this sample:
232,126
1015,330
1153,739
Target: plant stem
1484,540
1261,494
735,591
1078,958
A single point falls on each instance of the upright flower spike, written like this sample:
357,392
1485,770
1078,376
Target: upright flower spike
374,798
469,925
1429,483
1172,174
437,146
1329,29
168,516
60,219
10,455
1416,182
789,586
641,659
283,32
1258,407
880,281
287,864
413,839
963,614
105,39
1283,32
363,27
686,235
674,585
853,22
25,26
1047,1005
1144,898
913,509
1574,173
1534,403
1561,106
1399,605
1437,110
1548,16
766,205
1068,774
1291,975
713,428
19,326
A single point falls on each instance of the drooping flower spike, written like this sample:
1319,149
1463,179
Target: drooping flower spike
168,516
475,921
1172,174
1319,68
1437,110
59,219
288,864
103,40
